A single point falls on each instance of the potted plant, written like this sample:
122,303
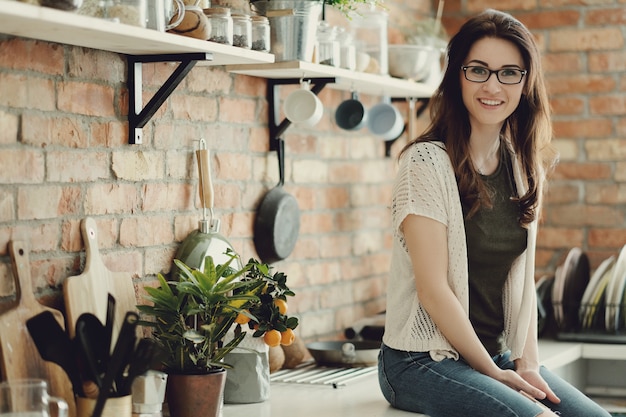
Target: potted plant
197,321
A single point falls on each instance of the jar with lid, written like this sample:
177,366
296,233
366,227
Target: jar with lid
129,12
242,31
221,25
327,45
260,33
347,50
369,28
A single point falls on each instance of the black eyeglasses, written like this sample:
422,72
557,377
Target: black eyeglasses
478,74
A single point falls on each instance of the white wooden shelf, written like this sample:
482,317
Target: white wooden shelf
43,23
365,83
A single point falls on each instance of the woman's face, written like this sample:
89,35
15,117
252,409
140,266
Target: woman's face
489,103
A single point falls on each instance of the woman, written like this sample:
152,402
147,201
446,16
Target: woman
460,333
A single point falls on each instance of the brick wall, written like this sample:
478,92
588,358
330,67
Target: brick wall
64,156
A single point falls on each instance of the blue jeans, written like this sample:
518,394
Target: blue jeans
412,381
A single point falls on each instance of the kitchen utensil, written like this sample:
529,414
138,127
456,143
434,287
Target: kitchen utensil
277,222
206,240
143,358
93,350
20,358
54,346
29,398
341,353
88,292
119,359
412,62
351,114
302,106
385,121
108,324
163,16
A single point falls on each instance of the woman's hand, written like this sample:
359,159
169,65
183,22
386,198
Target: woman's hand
538,384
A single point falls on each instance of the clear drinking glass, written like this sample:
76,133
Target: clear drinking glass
28,398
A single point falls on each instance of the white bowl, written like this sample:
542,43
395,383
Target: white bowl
412,62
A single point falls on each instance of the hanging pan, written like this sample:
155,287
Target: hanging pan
206,240
277,222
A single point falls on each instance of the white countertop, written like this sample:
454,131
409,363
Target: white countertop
362,397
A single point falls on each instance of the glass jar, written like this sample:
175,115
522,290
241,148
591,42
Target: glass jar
242,31
221,25
327,45
129,12
347,50
369,28
260,33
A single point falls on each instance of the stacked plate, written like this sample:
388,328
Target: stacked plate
595,303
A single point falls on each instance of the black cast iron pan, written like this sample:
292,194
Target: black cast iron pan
277,222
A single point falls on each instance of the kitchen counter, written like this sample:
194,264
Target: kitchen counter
362,397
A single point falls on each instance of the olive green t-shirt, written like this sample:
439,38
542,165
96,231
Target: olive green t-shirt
494,240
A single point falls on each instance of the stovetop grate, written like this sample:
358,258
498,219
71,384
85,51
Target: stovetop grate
321,375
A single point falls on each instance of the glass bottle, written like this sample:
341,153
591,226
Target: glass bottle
129,12
327,45
347,50
242,31
260,33
221,25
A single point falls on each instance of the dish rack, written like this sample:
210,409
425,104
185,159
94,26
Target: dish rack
577,305
312,374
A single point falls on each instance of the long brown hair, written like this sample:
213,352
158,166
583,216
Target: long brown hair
528,127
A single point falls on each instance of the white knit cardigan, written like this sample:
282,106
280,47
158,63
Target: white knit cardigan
426,186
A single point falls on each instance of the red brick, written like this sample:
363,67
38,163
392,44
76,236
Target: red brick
579,215
24,91
145,231
605,194
71,236
607,238
194,108
111,199
580,83
74,167
476,6
612,61
560,63
583,171
610,16
85,63
559,237
590,39
559,193
45,131
29,55
547,19
583,128
8,128
567,105
612,104
21,166
86,98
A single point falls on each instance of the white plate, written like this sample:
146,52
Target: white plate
595,298
620,278
585,303
613,295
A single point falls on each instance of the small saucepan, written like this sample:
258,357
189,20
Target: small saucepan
345,353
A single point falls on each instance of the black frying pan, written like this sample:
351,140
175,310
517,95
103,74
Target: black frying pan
277,222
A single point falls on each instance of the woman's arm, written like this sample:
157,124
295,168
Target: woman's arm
528,365
427,244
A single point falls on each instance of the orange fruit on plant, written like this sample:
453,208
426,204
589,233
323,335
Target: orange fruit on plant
281,304
272,338
242,318
287,337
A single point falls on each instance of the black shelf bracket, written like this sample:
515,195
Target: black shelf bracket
276,127
138,115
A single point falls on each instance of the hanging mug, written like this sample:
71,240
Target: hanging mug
29,397
303,106
164,15
385,121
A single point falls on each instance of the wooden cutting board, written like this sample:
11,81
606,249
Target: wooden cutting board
88,292
20,357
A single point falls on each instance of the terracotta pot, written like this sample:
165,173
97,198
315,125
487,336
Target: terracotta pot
196,395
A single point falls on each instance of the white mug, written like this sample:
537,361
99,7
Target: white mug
302,106
162,16
385,121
